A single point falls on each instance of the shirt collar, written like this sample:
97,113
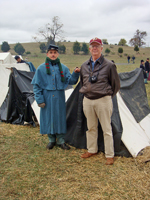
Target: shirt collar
95,60
100,59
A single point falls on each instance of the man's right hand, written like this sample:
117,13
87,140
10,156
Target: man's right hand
41,105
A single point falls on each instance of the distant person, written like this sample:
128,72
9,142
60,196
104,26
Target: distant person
133,58
144,72
147,68
49,82
99,83
128,59
26,59
31,66
19,60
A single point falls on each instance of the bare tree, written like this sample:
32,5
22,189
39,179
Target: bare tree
138,38
50,32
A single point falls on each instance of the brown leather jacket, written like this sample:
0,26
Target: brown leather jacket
108,82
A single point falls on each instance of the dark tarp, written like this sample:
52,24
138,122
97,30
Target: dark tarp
16,108
132,90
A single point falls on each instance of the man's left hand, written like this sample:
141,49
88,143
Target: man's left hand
77,70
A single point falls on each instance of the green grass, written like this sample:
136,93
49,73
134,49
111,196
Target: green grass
30,172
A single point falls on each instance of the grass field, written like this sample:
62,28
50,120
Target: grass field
30,172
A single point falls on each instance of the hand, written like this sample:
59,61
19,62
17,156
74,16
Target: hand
41,105
77,70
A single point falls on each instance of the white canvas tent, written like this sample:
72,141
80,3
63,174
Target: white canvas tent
7,58
7,61
5,70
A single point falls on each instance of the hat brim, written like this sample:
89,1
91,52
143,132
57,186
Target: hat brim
95,42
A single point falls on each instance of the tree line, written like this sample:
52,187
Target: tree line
19,49
77,48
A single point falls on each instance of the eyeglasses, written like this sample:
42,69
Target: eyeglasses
96,46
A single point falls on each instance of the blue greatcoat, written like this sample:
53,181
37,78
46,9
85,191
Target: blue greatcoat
49,89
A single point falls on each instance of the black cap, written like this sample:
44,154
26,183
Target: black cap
52,47
142,61
16,57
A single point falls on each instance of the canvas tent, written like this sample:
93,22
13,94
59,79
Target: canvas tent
7,62
19,105
5,70
7,58
130,119
16,108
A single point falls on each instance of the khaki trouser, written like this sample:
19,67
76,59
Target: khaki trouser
99,109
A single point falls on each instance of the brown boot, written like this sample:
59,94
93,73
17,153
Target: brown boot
109,161
87,155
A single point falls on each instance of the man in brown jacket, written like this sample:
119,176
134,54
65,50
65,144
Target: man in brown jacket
99,83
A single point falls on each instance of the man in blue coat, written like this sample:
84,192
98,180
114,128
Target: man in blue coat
49,82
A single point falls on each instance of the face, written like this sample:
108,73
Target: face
96,49
52,54
19,60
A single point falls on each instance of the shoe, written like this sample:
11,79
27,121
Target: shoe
50,145
109,161
64,146
87,155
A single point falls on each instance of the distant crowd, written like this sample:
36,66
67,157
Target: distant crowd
145,67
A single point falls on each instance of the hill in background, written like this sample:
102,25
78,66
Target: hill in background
71,60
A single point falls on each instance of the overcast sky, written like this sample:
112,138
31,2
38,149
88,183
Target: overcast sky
82,19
